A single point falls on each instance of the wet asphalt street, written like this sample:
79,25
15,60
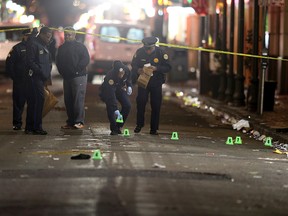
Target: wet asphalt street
139,174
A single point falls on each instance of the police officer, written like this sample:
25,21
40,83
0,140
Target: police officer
17,70
39,64
116,87
158,59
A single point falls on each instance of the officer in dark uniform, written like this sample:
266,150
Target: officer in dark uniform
116,87
158,59
39,64
16,68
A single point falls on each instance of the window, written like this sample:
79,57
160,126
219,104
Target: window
11,35
110,31
122,32
2,36
135,34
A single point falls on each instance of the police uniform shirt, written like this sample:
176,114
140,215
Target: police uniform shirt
157,58
16,62
111,83
39,59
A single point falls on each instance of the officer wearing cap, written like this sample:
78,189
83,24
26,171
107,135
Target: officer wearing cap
117,87
152,55
16,68
39,65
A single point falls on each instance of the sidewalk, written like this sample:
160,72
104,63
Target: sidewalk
272,124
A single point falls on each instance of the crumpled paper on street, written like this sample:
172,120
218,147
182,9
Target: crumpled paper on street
241,124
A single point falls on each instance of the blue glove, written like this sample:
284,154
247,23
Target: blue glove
129,90
117,113
119,117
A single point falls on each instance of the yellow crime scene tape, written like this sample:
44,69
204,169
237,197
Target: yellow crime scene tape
13,29
170,45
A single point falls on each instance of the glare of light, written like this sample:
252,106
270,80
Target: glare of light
23,19
26,19
150,12
160,12
30,18
21,10
79,25
99,11
176,23
182,10
9,4
179,94
147,7
12,6
135,14
83,21
104,6
237,2
76,3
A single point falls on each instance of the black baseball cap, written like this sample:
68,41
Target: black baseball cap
45,30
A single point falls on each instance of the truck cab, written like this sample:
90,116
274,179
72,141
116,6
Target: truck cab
109,41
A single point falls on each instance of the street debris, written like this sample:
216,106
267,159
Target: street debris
80,157
156,165
239,125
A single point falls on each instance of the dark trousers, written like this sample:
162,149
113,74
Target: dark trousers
19,100
155,102
124,101
35,102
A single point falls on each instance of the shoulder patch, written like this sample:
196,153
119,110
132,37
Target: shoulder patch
111,82
165,56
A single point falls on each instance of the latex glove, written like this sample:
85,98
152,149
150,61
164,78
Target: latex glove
117,113
129,90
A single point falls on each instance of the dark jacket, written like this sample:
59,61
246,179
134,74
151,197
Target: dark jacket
158,59
16,66
113,83
72,59
39,59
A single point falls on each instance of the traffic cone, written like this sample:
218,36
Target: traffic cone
120,119
268,142
97,155
229,141
174,136
238,140
126,132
